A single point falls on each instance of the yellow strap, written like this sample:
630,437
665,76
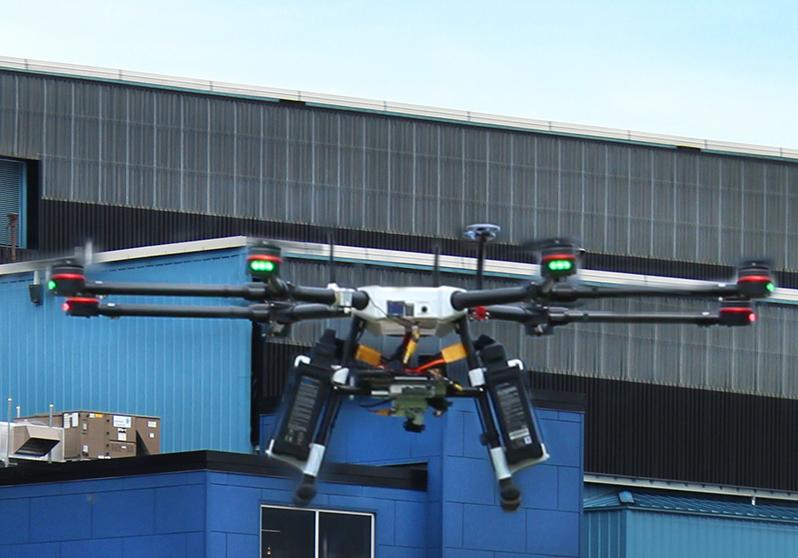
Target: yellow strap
453,353
409,350
368,355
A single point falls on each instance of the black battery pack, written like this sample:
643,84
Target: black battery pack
308,390
516,423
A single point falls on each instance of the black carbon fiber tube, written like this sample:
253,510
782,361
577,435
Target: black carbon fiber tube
249,291
469,299
324,296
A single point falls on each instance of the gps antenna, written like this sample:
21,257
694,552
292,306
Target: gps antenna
436,266
331,261
482,233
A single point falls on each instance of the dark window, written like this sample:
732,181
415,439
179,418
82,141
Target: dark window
344,535
287,533
303,533
12,202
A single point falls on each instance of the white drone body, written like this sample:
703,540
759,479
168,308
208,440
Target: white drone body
393,310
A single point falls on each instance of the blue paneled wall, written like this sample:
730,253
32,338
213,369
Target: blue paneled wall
194,374
185,515
462,496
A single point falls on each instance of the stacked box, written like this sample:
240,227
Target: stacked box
94,435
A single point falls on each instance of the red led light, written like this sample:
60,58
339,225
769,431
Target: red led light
77,276
752,317
756,278
265,257
548,257
65,307
480,313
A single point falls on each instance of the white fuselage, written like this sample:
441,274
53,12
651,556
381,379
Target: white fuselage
392,310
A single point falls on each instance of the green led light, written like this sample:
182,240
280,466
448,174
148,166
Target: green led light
560,265
262,265
51,285
770,287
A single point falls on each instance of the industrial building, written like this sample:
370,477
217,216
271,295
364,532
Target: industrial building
163,175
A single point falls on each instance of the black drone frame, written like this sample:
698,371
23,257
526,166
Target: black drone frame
337,368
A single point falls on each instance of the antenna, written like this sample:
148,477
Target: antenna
482,233
436,266
331,261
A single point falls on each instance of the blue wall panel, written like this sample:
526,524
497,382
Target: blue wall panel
194,374
659,535
105,517
629,533
462,495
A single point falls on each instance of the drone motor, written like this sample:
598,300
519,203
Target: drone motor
67,279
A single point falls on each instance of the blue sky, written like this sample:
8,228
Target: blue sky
716,70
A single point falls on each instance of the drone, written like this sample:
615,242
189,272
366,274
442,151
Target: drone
405,383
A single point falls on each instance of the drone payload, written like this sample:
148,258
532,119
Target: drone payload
402,383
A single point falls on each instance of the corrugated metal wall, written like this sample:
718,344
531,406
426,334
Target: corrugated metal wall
194,374
151,148
604,534
701,436
11,200
64,225
654,535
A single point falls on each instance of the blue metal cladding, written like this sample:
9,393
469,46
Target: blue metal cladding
194,374
631,532
198,514
461,489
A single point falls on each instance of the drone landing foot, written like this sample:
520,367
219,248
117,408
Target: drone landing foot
510,495
306,490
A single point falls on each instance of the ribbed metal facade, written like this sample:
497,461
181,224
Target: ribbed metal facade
143,147
194,374
631,534
635,429
64,225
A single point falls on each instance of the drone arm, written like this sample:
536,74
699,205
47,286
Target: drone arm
114,310
560,316
249,291
299,312
514,313
736,313
569,293
470,299
324,295
88,307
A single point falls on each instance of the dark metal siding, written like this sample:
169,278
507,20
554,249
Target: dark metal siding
645,430
64,225
188,152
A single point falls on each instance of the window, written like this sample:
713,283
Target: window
307,533
12,200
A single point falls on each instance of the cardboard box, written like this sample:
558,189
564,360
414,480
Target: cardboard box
95,435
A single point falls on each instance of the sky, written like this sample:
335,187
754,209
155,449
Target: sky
718,70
